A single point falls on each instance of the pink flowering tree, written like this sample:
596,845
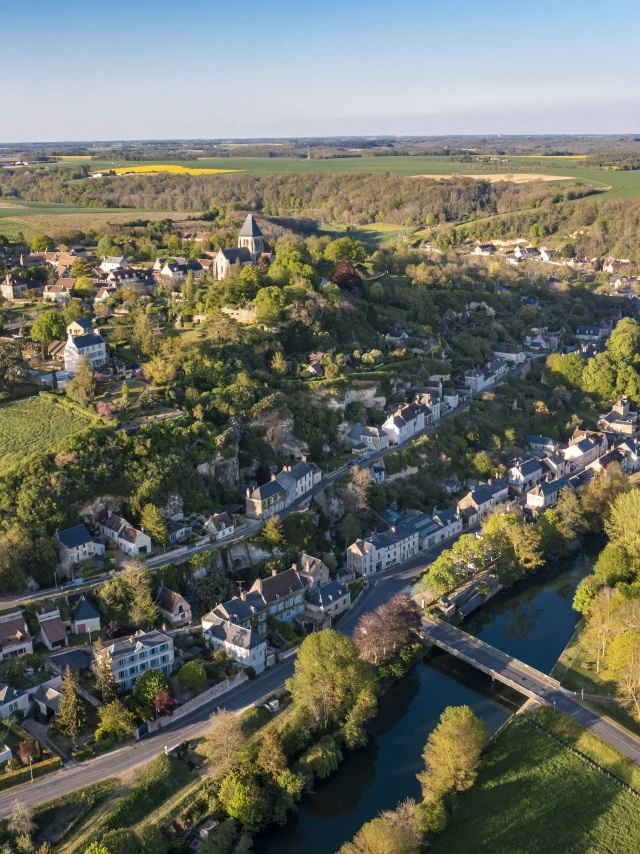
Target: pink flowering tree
105,409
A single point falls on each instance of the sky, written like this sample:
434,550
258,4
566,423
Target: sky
205,69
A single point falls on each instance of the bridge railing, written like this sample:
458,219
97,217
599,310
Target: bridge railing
538,673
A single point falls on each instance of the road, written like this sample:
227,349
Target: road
248,694
530,682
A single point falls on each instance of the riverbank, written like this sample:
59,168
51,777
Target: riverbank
528,786
532,621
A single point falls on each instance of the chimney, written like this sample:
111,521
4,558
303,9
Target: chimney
243,595
248,492
274,572
273,477
303,458
393,528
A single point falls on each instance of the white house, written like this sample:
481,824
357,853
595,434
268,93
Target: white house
173,607
131,657
405,422
90,344
509,353
12,700
220,525
53,632
479,502
525,474
86,617
244,646
15,638
129,539
60,292
294,481
330,600
370,437
380,551
113,262
545,494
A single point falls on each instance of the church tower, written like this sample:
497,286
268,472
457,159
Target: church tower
251,237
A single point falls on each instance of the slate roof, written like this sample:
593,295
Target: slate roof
250,227
328,594
84,322
241,254
541,440
13,630
276,586
82,341
126,646
239,609
168,600
226,631
220,521
588,330
73,537
8,694
267,490
84,610
527,467
75,659
48,696
53,629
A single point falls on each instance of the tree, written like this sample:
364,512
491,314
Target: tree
278,363
483,465
189,288
269,303
148,685
105,680
380,633
601,623
353,730
84,286
572,522
272,533
154,523
585,594
42,243
271,757
452,753
223,742
323,758
96,848
624,666
21,821
344,247
27,750
517,545
380,837
146,335
163,703
47,327
114,721
124,401
623,524
193,675
615,564
359,489
243,798
212,588
552,540
81,267
329,677
350,528
82,386
143,610
600,495
70,717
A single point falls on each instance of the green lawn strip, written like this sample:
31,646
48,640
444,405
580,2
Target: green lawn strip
534,796
59,817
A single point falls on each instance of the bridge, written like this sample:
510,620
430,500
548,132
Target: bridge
528,681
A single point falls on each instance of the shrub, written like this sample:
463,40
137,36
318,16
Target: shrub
193,675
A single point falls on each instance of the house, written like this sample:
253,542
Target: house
81,326
451,485
105,293
371,437
330,600
53,632
86,617
47,697
91,345
113,262
129,539
131,657
429,530
14,288
524,474
586,334
542,443
584,447
398,337
526,253
315,369
220,525
244,646
631,452
12,701
613,266
173,607
509,353
373,554
75,659
76,544
15,638
449,520
433,401
620,419
545,494
177,529
479,502
312,570
405,422
485,249
179,272
293,482
59,293
555,465
281,595
603,462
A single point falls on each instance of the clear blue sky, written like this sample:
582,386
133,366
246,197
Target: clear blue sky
203,68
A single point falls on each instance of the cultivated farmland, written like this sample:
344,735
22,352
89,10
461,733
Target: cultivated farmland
533,796
30,426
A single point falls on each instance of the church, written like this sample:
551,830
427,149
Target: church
251,246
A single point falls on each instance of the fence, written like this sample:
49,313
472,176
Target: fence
200,700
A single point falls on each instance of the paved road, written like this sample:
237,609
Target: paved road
530,682
118,762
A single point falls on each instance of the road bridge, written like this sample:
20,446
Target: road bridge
528,681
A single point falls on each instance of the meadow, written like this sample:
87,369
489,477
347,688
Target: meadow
528,788
35,425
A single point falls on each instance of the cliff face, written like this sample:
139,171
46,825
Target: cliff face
224,464
277,423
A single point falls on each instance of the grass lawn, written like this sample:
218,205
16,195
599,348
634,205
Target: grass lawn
377,234
533,796
34,425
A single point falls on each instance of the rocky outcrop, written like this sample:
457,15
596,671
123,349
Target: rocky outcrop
277,423
224,465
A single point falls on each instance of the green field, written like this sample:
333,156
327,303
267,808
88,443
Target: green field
533,796
34,425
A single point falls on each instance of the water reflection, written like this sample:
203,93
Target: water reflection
532,621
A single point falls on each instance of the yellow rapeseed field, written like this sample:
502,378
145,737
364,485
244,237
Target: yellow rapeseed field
169,167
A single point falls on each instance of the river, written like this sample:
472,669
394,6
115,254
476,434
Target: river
532,621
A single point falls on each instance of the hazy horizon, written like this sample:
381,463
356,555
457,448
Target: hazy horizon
202,70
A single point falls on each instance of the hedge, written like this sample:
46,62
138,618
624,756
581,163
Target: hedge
13,778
